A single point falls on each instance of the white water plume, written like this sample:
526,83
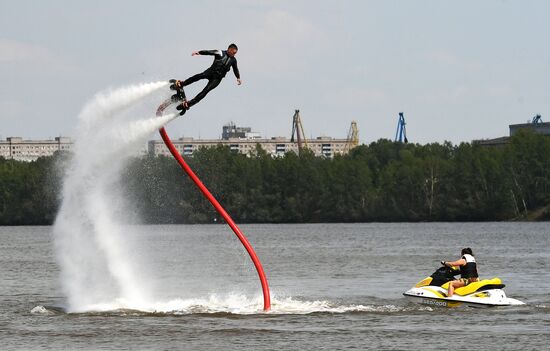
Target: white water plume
90,243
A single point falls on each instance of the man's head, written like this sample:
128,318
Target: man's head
232,50
466,250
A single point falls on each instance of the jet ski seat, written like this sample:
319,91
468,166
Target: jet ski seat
485,284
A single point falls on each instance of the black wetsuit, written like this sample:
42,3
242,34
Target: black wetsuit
221,65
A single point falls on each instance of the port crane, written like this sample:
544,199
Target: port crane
298,129
353,137
401,132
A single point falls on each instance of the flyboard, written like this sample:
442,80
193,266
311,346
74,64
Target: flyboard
179,97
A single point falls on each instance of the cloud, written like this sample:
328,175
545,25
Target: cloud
281,41
442,58
498,91
10,110
451,94
29,55
466,94
446,58
358,96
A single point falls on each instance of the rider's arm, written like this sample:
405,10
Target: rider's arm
210,52
460,262
236,69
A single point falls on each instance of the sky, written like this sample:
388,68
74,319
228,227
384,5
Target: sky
459,70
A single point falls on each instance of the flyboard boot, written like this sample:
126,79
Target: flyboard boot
183,107
177,85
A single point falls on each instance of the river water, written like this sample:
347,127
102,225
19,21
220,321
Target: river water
334,287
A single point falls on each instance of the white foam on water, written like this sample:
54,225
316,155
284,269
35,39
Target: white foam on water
235,303
41,310
89,236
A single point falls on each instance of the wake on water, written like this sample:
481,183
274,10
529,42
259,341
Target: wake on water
234,304
97,274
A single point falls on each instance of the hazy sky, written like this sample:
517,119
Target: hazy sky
459,70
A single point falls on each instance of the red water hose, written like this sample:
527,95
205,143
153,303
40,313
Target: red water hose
217,206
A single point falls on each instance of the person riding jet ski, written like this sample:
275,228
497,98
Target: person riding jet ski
468,270
439,288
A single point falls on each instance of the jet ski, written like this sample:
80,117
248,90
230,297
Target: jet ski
484,293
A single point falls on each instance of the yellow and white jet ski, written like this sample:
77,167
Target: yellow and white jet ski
484,293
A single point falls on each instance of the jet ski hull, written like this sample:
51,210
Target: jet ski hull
436,296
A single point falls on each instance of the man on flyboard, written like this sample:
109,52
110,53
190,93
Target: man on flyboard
223,61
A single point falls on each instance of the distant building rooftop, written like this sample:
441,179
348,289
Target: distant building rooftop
540,128
536,125
243,140
231,131
17,148
492,142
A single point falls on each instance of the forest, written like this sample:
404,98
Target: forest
380,182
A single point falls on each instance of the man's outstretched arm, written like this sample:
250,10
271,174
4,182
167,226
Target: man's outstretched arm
236,72
207,52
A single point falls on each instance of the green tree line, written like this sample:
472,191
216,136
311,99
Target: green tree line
382,181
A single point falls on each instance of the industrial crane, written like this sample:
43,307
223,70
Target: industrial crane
353,137
537,119
298,129
401,132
